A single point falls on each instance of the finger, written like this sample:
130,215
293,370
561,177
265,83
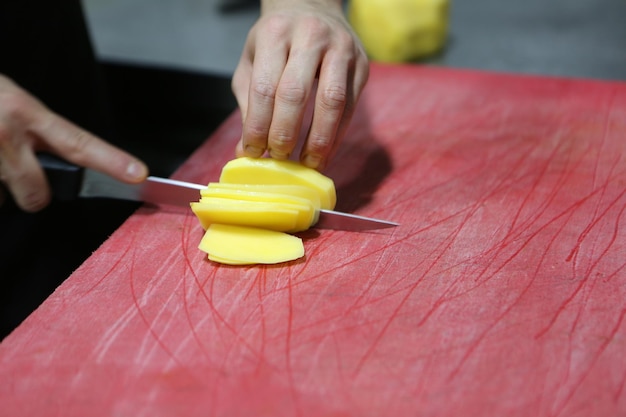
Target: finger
361,75
270,59
335,102
240,84
330,103
239,152
78,146
24,178
292,96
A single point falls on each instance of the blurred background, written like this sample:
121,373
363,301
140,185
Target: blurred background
176,57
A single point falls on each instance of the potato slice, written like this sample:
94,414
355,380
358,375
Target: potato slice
238,245
254,190
265,197
226,261
246,214
270,171
227,206
282,217
279,217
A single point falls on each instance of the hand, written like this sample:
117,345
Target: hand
294,44
27,126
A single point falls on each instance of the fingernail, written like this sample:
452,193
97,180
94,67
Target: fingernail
278,155
254,151
312,161
136,170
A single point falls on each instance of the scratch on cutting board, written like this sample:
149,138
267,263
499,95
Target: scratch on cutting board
577,289
149,325
585,373
438,255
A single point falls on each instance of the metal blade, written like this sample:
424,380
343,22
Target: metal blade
329,219
153,190
179,193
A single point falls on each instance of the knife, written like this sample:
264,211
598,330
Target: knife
68,182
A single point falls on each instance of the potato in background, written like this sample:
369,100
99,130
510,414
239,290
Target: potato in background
400,30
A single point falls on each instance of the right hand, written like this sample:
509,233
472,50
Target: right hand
292,47
27,126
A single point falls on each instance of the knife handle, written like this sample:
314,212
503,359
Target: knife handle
64,178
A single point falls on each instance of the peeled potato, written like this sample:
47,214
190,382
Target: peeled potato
267,214
251,191
255,214
247,213
238,245
400,30
271,171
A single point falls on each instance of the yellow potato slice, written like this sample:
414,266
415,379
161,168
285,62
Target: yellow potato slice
255,196
257,191
282,217
226,261
270,171
245,201
246,214
238,245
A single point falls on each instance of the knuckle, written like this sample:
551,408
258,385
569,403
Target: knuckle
29,194
16,106
333,97
78,142
345,41
281,140
319,144
264,89
314,28
278,154
276,26
255,130
18,113
292,93
34,201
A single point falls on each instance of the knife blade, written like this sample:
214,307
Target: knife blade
68,181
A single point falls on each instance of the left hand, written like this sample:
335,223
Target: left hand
294,44
28,126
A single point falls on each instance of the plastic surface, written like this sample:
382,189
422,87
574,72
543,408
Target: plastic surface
502,292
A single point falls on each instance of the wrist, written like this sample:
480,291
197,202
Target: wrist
268,5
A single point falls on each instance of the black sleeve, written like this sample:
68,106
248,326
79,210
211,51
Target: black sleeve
45,47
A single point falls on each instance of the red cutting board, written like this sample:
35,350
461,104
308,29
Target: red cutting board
502,293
